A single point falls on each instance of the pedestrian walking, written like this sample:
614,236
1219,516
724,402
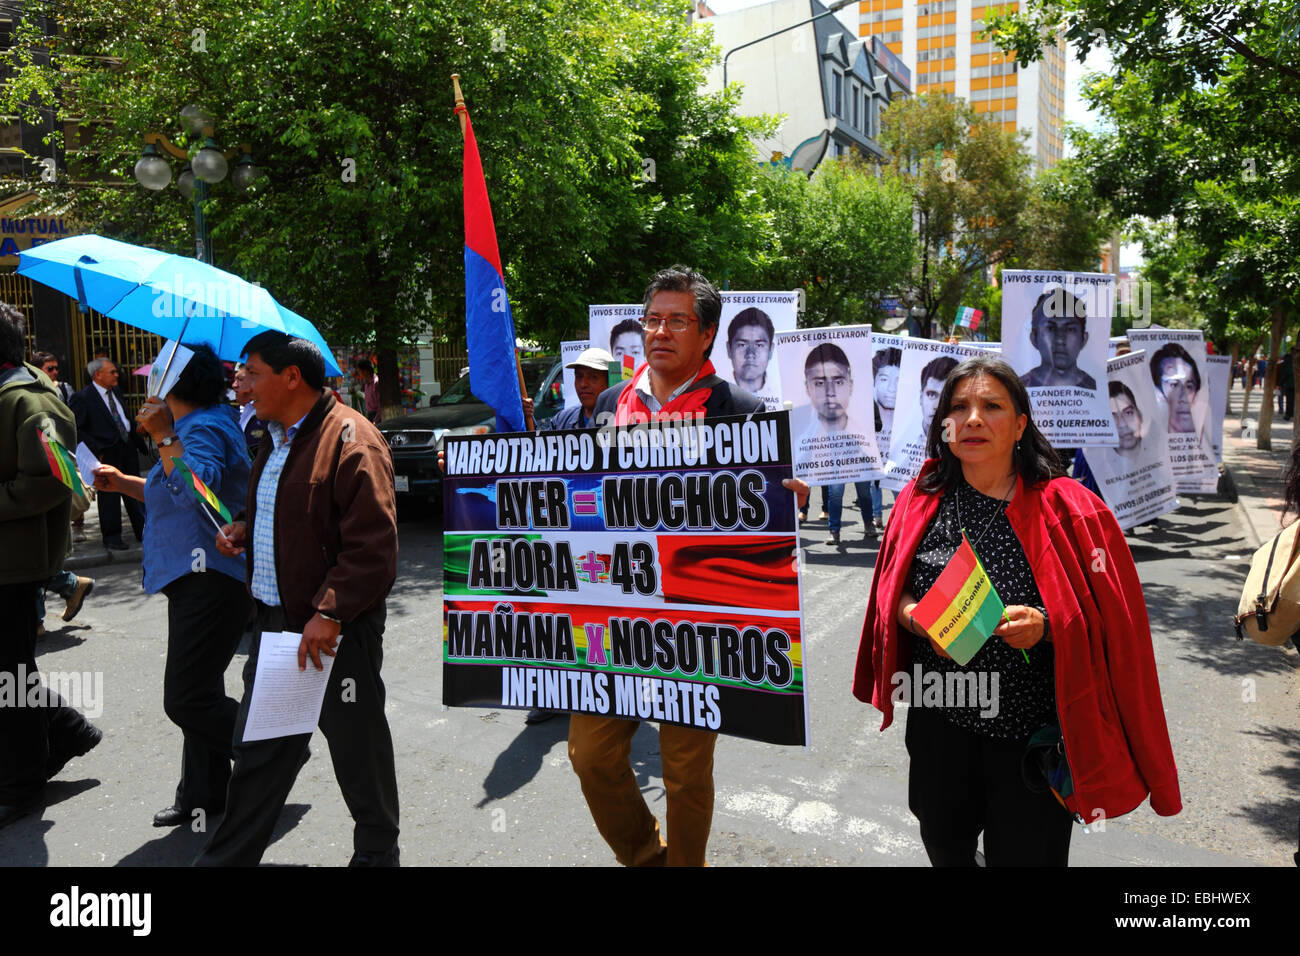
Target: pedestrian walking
102,426
319,533
207,604
1077,695
40,737
74,589
370,386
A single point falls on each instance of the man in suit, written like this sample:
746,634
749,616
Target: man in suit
102,423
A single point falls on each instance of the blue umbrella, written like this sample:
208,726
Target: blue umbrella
176,297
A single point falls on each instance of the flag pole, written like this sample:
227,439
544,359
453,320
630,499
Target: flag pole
462,113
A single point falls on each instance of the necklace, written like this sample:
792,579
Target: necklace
1001,507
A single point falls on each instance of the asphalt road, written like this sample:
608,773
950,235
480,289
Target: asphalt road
478,787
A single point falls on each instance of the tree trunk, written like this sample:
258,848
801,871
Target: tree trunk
1264,436
390,396
1295,389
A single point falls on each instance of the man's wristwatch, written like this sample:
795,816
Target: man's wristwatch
332,620
171,439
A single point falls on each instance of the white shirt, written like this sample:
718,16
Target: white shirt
115,409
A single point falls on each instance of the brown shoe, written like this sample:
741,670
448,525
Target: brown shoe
84,587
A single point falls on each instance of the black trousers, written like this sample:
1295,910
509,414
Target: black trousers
123,457
206,616
29,735
361,748
961,783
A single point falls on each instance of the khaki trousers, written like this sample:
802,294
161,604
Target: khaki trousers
600,749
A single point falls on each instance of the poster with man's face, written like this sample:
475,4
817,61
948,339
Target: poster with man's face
745,352
1220,379
1135,477
923,370
1055,334
1178,377
887,354
617,328
825,374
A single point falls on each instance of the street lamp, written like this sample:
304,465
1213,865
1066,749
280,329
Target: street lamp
206,167
834,8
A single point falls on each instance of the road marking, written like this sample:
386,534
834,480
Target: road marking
821,819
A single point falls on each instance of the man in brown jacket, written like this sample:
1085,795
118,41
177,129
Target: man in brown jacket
320,534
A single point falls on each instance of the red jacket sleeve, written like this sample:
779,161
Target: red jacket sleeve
1130,659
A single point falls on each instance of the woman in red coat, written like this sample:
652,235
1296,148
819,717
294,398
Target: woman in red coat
1073,650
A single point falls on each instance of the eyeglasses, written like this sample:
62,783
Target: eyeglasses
677,322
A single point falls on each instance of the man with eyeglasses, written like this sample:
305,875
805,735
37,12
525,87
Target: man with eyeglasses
682,313
749,347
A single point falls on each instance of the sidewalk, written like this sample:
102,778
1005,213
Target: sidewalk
1257,474
91,553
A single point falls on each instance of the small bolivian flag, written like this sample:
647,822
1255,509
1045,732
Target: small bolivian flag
62,465
962,609
629,366
202,491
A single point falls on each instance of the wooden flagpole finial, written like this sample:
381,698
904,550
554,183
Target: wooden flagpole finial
460,101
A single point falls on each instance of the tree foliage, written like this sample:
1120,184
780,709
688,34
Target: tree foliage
605,159
844,236
969,183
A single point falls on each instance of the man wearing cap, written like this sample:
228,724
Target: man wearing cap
590,378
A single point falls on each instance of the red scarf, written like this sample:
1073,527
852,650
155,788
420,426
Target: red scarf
689,404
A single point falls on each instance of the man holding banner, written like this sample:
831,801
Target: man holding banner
682,311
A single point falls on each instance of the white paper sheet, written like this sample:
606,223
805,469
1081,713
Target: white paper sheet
86,464
286,701
157,384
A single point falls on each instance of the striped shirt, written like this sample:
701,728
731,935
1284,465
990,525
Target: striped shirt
265,586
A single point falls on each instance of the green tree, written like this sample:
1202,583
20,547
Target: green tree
604,158
1204,98
1064,222
969,183
844,236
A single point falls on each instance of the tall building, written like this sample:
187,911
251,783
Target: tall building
795,59
953,54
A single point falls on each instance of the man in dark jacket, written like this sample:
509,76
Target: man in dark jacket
107,430
682,311
321,536
39,733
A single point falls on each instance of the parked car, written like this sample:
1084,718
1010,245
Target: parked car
415,439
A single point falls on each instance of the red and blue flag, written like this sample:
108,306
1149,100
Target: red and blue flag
489,325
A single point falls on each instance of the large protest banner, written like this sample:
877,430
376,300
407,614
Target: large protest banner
743,351
1220,378
1135,477
569,352
1055,332
825,375
645,572
886,356
926,364
1178,378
